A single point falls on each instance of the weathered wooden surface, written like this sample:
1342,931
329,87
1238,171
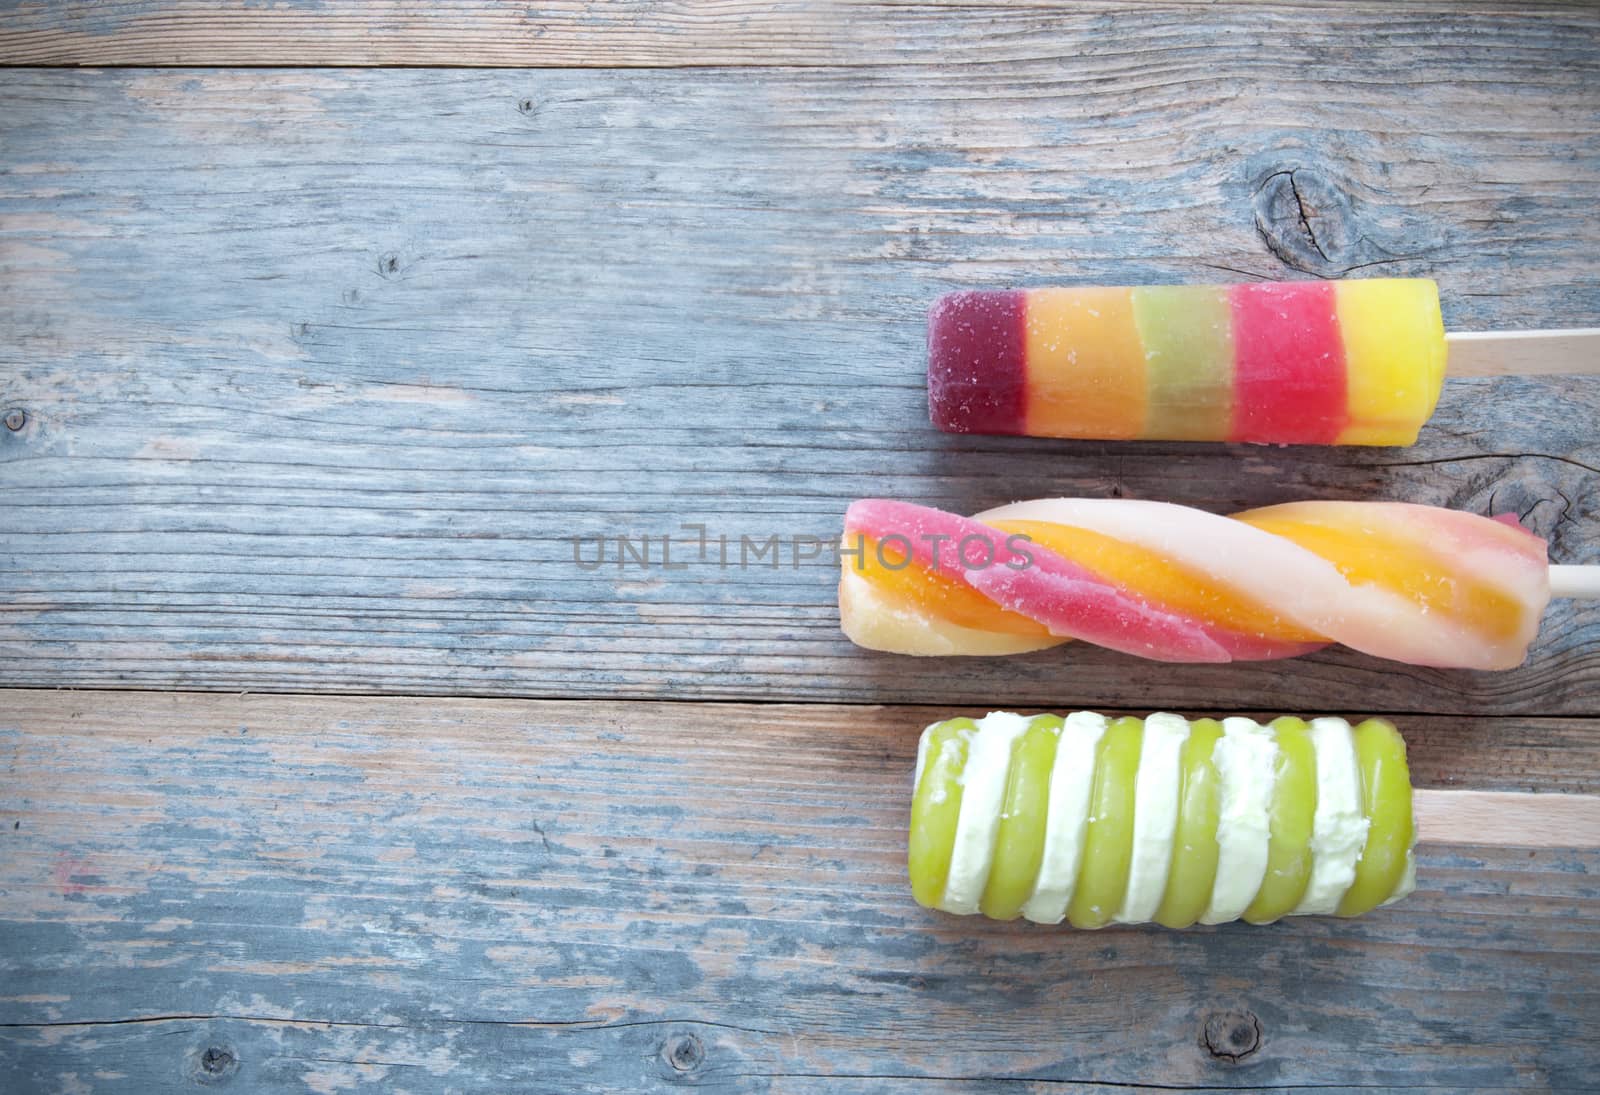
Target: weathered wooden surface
318,374
619,33
357,894
309,377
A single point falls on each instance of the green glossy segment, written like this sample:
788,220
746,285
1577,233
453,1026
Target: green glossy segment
1019,840
936,809
1194,841
1294,808
1386,801
1108,836
1187,332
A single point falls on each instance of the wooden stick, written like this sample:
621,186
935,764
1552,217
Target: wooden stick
1524,353
1507,819
1576,582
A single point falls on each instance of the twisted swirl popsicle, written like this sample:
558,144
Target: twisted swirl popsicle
1412,583
1349,362
1094,820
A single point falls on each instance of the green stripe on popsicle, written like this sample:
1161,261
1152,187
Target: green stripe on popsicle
1187,332
1386,800
1293,813
1019,842
1194,841
936,806
1108,836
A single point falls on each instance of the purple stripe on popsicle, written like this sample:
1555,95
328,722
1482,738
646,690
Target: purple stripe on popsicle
977,367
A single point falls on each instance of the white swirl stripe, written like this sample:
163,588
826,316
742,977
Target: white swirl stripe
1246,761
1339,829
1155,817
1071,783
983,791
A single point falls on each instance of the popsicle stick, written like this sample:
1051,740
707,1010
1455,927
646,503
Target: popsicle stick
1507,819
1524,353
1576,582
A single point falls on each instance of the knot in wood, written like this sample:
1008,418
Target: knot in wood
1231,1035
213,1065
1307,221
684,1052
16,418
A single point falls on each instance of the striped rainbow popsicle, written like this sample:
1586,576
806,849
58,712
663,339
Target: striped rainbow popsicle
1316,363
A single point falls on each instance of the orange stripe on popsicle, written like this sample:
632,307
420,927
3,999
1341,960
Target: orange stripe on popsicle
933,592
1085,364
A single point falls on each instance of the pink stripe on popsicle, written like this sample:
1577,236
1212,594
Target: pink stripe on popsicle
1289,369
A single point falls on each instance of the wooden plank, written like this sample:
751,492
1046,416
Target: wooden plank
410,894
615,33
321,379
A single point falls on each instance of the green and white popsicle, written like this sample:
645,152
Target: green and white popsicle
1097,821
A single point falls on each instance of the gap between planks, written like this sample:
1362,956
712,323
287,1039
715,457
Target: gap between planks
1448,753
1482,818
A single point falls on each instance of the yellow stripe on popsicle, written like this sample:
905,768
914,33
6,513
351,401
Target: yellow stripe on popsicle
1085,364
1394,352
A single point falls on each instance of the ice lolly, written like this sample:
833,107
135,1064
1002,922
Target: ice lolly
1416,584
1097,821
1356,362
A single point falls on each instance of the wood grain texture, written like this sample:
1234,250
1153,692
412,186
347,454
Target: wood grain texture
622,34
325,381
343,894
